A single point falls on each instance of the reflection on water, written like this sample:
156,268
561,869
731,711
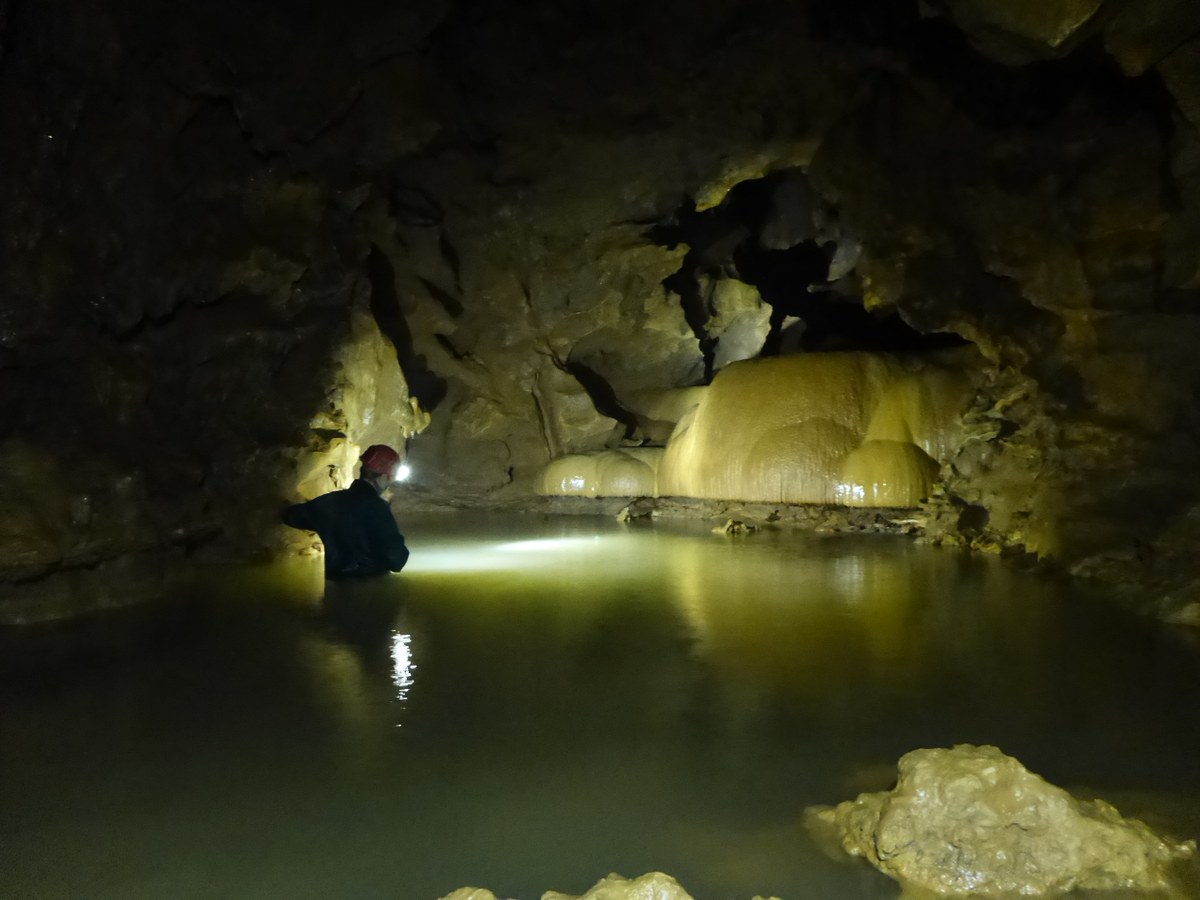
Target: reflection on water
402,664
534,703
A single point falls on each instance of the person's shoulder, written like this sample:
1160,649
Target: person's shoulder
332,498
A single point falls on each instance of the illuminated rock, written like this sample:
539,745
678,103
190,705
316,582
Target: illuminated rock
738,319
651,886
885,473
924,409
735,526
710,454
973,820
611,473
573,475
366,402
803,460
851,428
659,411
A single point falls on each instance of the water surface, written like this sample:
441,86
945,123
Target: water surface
536,702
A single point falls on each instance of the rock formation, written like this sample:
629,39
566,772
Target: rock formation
651,886
554,214
855,429
971,820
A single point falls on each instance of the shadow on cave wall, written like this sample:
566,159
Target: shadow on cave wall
423,383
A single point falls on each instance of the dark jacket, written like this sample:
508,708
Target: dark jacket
357,528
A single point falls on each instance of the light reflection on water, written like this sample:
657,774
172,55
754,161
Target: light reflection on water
512,556
574,697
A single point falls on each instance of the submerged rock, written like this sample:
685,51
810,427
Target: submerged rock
973,820
735,526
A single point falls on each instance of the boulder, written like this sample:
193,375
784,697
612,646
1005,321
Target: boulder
972,820
651,886
470,893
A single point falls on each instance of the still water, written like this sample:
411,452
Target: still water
534,703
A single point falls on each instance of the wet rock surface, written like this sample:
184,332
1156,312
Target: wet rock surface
971,820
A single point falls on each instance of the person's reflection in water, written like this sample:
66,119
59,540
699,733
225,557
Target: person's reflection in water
361,655
362,614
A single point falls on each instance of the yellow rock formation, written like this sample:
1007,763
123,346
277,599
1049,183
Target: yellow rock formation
854,429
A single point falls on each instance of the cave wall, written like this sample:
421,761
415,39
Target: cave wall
1055,227
207,208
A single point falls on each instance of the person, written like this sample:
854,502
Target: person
356,525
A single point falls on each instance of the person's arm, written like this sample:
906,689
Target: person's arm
388,533
299,515
397,552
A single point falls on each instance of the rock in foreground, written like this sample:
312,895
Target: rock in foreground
651,886
973,820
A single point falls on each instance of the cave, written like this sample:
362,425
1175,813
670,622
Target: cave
873,302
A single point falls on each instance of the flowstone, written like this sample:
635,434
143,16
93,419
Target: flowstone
611,473
856,429
972,820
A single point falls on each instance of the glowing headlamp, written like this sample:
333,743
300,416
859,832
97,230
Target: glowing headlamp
403,470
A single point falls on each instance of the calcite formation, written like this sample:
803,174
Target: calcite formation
852,429
971,820
610,473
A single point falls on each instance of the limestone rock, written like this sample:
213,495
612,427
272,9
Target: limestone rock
1181,73
798,429
738,319
972,820
735,526
630,472
470,893
1141,34
1021,30
651,886
366,402
795,214
658,411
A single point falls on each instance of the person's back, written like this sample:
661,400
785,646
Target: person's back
356,524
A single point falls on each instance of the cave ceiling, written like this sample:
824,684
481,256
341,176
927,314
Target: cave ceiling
546,210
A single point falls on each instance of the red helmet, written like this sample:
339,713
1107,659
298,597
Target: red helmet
380,459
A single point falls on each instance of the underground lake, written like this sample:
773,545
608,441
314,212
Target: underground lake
538,701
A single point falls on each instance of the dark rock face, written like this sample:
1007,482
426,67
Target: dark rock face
221,221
